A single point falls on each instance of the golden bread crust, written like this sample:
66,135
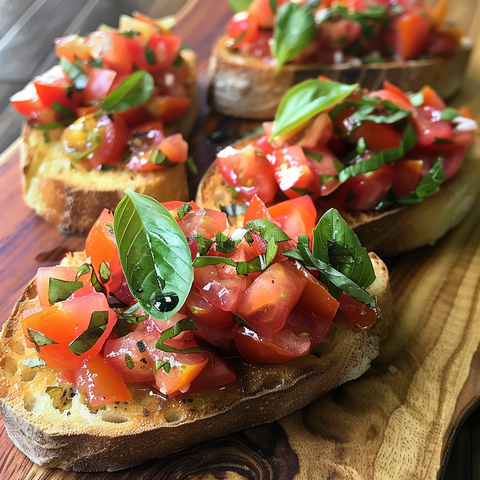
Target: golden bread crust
121,435
73,199
248,87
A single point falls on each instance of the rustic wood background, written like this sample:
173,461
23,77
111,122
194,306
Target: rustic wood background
27,28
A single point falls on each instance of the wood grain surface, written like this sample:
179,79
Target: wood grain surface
394,423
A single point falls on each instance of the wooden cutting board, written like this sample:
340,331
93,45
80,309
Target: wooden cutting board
396,422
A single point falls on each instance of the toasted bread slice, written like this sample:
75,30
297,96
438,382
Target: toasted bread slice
54,426
387,233
72,199
248,87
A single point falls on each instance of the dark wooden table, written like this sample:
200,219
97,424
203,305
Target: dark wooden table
27,28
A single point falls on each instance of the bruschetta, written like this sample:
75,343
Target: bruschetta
265,52
173,324
392,164
109,116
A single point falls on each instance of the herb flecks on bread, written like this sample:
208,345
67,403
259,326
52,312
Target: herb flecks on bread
172,374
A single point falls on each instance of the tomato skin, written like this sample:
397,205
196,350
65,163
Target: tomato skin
306,324
203,309
243,28
319,132
266,304
27,102
100,382
412,34
167,108
407,176
63,323
428,126
357,313
364,191
377,137
221,337
101,247
98,85
175,148
144,140
73,48
249,172
257,209
262,12
296,216
166,49
394,94
258,350
113,52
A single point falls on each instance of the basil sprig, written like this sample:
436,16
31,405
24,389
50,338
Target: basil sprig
428,185
307,99
344,265
295,28
134,92
59,290
183,325
96,328
154,254
409,140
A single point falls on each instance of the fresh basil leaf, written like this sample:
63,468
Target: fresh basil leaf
134,92
59,290
64,111
449,113
307,99
204,261
234,209
223,244
182,326
131,318
417,99
316,156
242,322
428,185
104,272
96,328
33,362
129,361
203,243
239,5
109,227
273,5
75,72
39,339
162,364
361,146
378,159
333,235
191,166
374,59
82,270
49,126
301,191
267,230
233,192
295,27
154,254
150,55
129,33
95,283
441,141
183,210
159,158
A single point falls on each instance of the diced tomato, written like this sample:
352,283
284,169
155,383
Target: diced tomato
100,382
293,173
73,48
28,103
262,12
364,191
100,141
99,82
257,209
165,49
175,148
61,273
130,357
167,109
412,39
319,132
266,304
377,136
203,309
145,139
307,325
249,172
407,176
395,95
431,98
101,247
242,28
296,216
220,285
357,313
221,337
113,48
450,154
55,86
283,346
203,220
63,323
428,126
83,111
264,145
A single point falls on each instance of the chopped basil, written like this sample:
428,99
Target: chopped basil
49,126
159,158
181,326
373,59
301,191
203,243
273,5
417,99
224,244
239,5
428,185
256,131
154,254
233,192
95,283
33,362
239,39
134,92
150,55
75,72
129,33
96,328
234,209
82,270
130,317
307,99
39,339
64,111
105,167
163,364
183,210
295,27
104,272
242,322
59,290
316,156
378,159
442,141
450,113
191,166
129,362
95,141
109,227
361,146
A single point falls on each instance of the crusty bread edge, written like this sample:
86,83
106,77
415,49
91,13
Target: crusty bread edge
112,447
248,87
388,233
73,205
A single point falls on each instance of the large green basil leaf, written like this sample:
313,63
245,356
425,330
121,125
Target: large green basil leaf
239,5
294,30
154,254
307,99
336,244
378,159
133,92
